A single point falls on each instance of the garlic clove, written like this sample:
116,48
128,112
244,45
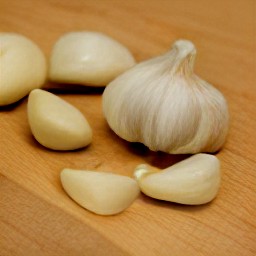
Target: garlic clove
22,67
164,105
193,181
100,192
55,123
88,58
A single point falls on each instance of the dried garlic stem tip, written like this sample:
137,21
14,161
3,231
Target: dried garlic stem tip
164,105
88,58
100,192
193,181
55,123
22,67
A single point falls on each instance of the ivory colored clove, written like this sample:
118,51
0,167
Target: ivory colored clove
55,123
100,192
22,67
193,181
88,58
163,104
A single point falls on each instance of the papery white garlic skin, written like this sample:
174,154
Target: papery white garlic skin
100,192
88,58
22,67
55,123
193,181
164,105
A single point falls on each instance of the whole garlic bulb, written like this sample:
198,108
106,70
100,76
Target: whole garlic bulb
164,105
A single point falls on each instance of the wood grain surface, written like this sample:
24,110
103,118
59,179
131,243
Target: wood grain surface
38,218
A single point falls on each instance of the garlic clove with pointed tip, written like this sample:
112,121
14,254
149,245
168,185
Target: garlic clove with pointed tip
164,105
55,123
88,58
100,192
193,181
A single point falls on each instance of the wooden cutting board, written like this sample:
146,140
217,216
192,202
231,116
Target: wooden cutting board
38,218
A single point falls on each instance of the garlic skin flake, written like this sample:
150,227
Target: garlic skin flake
22,67
193,181
55,123
164,105
88,58
100,192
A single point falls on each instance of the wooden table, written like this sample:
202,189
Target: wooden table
38,218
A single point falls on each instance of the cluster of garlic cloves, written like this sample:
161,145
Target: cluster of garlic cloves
164,105
160,102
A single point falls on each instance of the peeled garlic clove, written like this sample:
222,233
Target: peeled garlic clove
193,181
55,123
100,192
22,67
164,105
88,58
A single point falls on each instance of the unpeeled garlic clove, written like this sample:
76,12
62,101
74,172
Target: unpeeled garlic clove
193,181
55,123
22,67
164,105
88,58
100,192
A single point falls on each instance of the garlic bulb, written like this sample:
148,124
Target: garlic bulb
22,67
88,58
164,105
